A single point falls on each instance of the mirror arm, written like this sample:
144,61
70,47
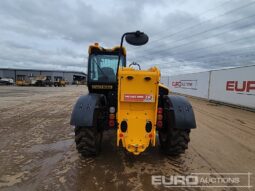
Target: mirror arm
120,50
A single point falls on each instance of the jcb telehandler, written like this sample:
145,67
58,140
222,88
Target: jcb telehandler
132,103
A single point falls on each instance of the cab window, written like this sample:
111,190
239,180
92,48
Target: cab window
103,68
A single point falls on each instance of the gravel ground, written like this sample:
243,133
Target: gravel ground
37,150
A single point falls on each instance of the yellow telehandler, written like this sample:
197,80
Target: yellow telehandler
132,103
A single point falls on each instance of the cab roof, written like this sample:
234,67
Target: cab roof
95,48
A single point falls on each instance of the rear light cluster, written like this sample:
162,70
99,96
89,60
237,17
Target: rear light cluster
112,117
160,117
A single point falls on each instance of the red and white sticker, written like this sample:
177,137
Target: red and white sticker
138,97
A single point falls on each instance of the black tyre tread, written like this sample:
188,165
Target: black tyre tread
86,141
177,142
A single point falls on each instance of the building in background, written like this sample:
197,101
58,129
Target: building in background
71,77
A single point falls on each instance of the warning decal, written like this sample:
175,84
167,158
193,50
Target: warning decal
138,97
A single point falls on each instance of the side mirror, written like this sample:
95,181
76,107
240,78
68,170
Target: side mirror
136,38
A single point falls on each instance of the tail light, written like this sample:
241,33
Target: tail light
111,123
160,117
111,116
111,120
159,124
160,110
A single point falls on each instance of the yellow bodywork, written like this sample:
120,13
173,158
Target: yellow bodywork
22,83
137,104
62,83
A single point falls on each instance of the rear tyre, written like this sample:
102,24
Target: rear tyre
174,142
88,141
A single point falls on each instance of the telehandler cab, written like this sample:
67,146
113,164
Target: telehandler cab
132,103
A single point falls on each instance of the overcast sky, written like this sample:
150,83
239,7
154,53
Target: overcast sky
185,35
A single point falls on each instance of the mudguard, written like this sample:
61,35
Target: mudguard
181,112
84,108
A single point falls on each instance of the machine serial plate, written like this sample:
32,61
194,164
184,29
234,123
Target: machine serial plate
138,97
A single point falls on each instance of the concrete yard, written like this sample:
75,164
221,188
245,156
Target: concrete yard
37,150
